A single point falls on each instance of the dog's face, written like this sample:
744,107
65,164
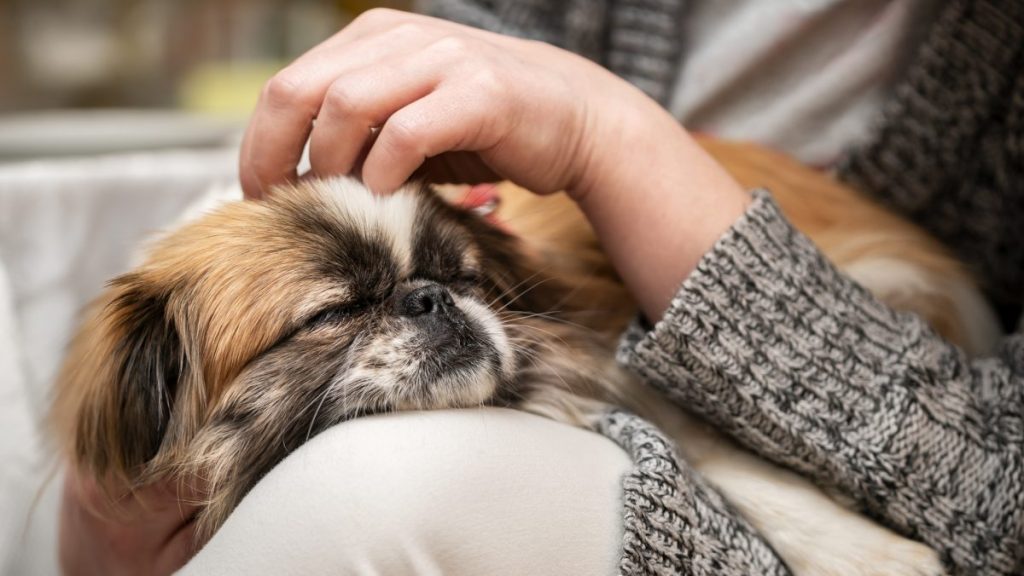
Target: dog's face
370,303
260,324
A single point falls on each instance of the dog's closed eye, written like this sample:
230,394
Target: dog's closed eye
338,313
262,324
467,279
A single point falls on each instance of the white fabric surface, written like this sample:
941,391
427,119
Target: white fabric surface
461,492
804,76
19,445
66,226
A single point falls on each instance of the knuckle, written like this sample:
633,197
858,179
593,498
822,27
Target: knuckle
340,99
486,80
375,16
283,89
408,29
452,44
404,134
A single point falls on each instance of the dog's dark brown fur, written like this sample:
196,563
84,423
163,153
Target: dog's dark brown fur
253,328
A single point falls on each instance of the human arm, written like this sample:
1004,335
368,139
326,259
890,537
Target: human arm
768,340
542,117
926,163
659,205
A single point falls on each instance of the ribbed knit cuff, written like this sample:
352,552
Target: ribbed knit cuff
768,339
674,522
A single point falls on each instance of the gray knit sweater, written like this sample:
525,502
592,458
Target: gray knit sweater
769,341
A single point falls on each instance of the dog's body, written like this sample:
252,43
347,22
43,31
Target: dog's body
257,326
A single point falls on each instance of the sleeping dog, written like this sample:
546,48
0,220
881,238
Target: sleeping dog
260,324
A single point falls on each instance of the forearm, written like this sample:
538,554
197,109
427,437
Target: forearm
801,364
644,168
658,202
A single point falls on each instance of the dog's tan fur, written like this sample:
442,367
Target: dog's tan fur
220,311
203,362
852,230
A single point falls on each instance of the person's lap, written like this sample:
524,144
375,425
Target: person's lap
450,492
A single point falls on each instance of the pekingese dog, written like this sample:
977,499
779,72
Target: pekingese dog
255,327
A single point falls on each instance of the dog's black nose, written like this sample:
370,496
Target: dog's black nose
430,299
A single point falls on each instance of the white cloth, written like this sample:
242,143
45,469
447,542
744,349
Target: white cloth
804,76
460,492
19,442
68,226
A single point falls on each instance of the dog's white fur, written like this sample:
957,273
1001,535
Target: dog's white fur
812,533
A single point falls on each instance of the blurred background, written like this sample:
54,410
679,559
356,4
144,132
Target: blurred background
92,76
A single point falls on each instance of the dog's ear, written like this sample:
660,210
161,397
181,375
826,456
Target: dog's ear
118,385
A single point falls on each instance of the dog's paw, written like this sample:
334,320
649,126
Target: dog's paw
888,556
907,557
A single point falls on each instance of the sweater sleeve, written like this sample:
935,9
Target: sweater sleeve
673,521
948,151
576,25
772,343
639,40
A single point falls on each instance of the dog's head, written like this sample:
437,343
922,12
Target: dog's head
262,323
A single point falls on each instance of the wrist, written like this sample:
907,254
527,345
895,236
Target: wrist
658,203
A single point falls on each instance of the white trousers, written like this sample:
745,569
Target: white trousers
460,492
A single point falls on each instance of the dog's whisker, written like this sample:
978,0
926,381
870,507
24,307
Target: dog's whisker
551,317
312,421
511,289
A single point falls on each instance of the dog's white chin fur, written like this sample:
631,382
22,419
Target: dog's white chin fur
814,534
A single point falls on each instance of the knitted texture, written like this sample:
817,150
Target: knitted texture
769,341
774,345
949,150
576,25
639,40
674,522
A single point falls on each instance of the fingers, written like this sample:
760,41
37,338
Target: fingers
432,88
315,87
177,549
148,531
443,121
359,101
281,123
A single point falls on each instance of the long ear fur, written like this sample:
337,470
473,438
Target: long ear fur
119,381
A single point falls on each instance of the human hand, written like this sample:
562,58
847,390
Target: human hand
521,110
148,532
394,92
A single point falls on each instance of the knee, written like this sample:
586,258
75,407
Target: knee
454,492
